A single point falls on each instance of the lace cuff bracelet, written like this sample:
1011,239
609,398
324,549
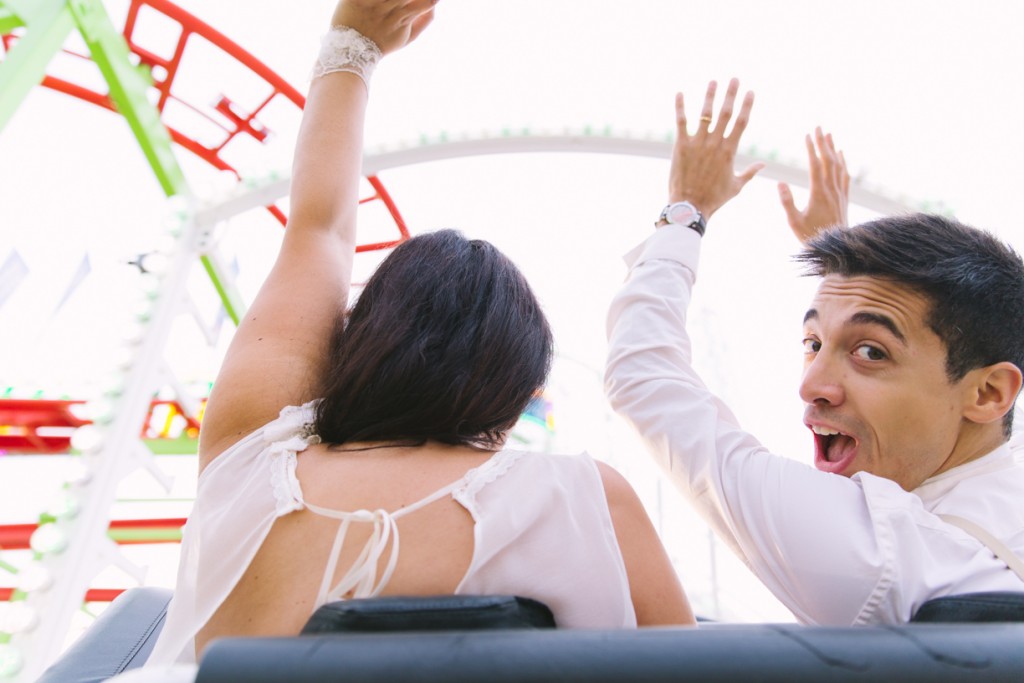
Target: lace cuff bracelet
346,49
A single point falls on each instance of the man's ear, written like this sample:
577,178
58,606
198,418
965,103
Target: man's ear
991,391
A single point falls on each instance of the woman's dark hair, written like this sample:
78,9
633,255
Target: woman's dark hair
446,342
973,281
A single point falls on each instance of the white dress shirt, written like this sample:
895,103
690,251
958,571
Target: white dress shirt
834,550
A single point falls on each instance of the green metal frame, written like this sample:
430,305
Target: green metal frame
128,87
47,23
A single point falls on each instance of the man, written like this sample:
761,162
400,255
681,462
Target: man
913,347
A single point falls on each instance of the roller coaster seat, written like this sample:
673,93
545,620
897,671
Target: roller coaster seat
120,639
124,635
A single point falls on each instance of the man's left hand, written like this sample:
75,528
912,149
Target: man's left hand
830,190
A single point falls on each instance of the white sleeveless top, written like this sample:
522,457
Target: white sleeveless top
542,530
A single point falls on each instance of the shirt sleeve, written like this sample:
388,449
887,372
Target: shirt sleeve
811,537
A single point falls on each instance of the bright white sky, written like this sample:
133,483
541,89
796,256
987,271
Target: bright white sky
924,97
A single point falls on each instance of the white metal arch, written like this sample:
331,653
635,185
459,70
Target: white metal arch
445,147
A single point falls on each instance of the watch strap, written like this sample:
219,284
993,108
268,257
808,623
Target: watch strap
698,224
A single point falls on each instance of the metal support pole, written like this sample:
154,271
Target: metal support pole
48,23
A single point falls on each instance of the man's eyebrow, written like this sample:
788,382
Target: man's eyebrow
863,317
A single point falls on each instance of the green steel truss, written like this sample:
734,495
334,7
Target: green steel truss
43,27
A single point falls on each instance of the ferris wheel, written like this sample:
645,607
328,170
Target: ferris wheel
113,432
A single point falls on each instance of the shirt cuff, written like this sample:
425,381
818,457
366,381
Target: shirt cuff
670,242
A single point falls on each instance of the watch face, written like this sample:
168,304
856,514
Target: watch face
682,214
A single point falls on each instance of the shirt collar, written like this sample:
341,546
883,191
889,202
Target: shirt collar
939,485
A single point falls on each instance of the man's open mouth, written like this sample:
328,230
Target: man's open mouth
833,450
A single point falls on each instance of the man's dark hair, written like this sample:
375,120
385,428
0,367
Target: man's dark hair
446,342
973,281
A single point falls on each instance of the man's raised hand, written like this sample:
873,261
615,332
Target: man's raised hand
830,190
702,164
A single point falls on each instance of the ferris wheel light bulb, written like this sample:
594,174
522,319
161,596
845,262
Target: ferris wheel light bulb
34,579
87,439
133,333
122,358
179,205
65,505
11,661
173,225
142,308
155,263
80,411
18,617
102,410
48,539
151,287
167,245
113,385
78,475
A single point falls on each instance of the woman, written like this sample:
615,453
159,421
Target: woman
303,500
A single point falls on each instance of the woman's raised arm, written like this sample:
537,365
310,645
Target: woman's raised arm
280,350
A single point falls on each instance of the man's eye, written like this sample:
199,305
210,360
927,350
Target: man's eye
869,352
812,345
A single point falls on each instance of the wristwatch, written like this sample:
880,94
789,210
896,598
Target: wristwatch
683,213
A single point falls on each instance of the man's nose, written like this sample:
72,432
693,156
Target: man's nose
822,381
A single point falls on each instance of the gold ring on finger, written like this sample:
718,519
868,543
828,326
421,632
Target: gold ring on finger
706,119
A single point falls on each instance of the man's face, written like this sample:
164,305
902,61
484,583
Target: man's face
875,384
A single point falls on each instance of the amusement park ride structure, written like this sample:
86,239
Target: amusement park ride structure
116,432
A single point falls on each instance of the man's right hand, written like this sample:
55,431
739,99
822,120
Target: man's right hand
702,163
830,190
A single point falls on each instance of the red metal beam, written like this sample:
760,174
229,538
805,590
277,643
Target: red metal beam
17,536
91,595
22,420
240,121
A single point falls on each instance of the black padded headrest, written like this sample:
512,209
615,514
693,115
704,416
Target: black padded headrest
435,613
973,607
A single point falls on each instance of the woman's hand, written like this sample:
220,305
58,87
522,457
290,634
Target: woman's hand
391,24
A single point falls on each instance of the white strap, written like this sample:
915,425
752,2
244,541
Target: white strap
361,578
332,563
993,543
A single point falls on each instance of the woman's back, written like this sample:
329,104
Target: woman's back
286,573
262,536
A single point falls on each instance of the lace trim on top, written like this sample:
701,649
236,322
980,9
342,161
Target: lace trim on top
290,433
479,477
